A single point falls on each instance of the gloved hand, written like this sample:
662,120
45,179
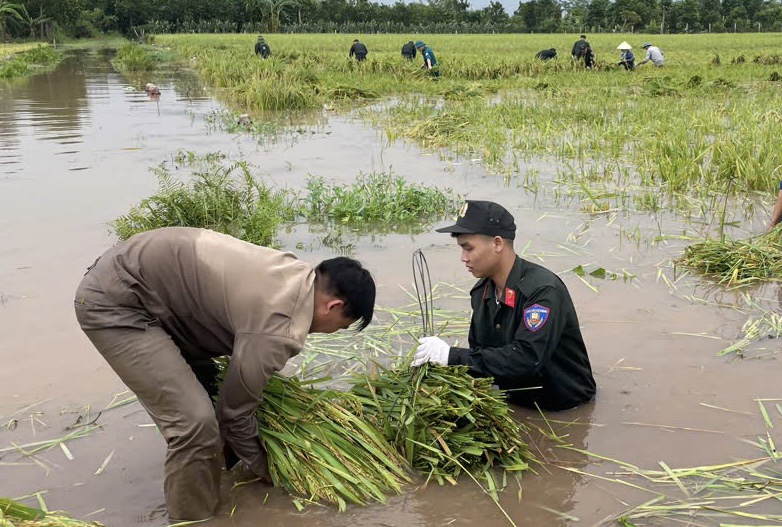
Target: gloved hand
431,349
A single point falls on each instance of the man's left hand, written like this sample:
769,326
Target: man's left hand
431,349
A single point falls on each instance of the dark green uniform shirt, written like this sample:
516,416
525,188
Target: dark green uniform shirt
530,339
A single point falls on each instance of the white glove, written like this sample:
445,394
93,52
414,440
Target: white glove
431,349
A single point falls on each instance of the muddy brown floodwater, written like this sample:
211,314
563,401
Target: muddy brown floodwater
75,150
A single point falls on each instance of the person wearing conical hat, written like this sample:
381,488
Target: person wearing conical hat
627,59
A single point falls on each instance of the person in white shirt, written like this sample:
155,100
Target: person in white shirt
653,54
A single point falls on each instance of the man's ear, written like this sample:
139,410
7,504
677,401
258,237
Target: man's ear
334,303
497,243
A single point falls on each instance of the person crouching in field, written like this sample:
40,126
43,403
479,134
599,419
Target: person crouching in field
408,50
546,54
626,59
358,50
262,48
162,305
430,62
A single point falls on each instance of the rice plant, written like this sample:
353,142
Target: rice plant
133,58
737,262
444,422
224,198
382,199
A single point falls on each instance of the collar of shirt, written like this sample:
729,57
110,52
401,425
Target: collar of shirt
513,283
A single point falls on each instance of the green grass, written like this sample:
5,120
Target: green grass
383,200
21,60
135,58
224,198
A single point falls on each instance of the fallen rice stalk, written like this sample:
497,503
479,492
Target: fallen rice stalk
444,422
14,514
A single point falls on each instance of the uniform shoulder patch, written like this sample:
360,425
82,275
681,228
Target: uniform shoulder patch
535,316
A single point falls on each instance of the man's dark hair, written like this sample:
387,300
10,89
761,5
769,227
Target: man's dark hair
346,279
583,36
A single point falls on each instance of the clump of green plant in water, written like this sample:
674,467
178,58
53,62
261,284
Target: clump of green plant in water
29,62
737,262
445,422
133,57
223,198
377,199
14,514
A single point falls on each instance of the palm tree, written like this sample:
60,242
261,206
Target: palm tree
270,10
10,11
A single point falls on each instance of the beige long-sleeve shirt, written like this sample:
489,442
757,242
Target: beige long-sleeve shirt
217,295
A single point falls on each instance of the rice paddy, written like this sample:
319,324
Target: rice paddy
655,160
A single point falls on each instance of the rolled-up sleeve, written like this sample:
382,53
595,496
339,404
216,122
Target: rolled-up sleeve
254,360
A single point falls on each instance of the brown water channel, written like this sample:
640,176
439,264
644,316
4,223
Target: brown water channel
75,149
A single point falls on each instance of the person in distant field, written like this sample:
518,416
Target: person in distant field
653,54
262,48
546,54
408,50
358,50
589,57
578,48
430,62
163,304
627,58
524,331
776,214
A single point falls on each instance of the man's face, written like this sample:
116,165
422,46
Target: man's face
329,317
480,253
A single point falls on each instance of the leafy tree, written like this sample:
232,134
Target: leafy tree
9,11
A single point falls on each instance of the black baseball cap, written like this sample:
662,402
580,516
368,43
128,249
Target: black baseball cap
483,217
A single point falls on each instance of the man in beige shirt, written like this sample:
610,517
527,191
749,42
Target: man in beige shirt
163,304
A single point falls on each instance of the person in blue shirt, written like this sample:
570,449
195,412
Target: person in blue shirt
430,62
627,59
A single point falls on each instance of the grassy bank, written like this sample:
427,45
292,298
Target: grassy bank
21,60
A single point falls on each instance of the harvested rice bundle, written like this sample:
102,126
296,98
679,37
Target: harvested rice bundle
444,421
737,262
13,514
322,449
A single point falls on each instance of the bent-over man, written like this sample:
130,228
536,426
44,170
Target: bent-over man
160,306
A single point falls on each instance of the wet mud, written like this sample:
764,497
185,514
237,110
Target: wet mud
75,150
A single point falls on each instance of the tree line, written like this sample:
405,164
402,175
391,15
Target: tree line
84,18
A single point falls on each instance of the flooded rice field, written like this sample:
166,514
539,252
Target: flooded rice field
76,146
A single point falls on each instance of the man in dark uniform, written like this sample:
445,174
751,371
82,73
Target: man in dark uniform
262,48
579,47
359,50
524,330
408,50
546,54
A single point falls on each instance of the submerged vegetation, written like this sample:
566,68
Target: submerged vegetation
382,199
226,197
23,60
14,514
737,262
